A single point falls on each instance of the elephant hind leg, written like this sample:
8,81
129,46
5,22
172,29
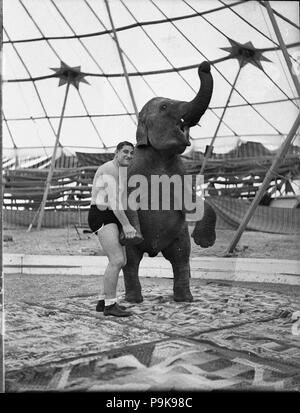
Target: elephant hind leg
178,253
204,233
133,289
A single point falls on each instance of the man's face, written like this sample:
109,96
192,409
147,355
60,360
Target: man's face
125,155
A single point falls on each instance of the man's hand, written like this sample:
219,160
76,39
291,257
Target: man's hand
130,236
129,231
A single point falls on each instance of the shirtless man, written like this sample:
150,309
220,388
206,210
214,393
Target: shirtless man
106,218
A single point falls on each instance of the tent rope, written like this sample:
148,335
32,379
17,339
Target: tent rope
158,48
57,55
280,15
140,24
118,29
224,77
38,28
116,41
250,24
210,148
91,119
278,54
125,54
36,127
111,75
146,73
185,81
277,47
80,96
238,105
9,131
207,21
33,83
92,57
169,62
282,91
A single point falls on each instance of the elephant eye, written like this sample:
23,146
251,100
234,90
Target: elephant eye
163,107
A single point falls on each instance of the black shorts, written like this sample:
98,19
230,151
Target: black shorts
97,218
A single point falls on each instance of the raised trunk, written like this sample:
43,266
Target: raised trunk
192,111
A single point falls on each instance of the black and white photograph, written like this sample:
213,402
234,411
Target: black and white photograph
150,190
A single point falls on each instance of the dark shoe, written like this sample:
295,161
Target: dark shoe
100,306
116,311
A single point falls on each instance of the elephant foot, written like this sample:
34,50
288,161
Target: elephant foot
180,297
204,239
204,233
135,299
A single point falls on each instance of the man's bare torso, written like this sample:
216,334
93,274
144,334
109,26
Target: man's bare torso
101,191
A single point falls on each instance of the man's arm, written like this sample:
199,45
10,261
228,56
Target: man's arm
115,195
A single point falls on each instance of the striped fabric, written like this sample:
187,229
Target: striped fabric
265,219
93,159
230,212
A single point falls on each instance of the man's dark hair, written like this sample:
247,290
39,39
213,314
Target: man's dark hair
122,144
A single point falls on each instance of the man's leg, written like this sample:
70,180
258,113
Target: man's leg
109,238
101,295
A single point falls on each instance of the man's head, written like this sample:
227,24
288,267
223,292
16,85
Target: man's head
124,153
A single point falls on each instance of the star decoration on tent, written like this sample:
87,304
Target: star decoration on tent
246,53
68,74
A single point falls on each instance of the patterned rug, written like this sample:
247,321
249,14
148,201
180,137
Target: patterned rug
62,344
168,365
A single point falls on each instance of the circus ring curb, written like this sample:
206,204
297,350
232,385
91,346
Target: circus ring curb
225,269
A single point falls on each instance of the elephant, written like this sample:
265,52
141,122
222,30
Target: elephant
162,135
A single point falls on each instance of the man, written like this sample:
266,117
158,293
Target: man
107,218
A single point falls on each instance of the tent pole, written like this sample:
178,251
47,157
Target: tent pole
2,184
210,148
122,60
282,46
259,194
16,158
50,173
13,142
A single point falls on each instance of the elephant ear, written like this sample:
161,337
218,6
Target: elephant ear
142,130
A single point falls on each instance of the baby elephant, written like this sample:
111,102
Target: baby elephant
162,135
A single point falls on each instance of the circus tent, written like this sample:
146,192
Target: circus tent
162,43
125,53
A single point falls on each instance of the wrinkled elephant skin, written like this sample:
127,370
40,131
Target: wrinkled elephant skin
162,135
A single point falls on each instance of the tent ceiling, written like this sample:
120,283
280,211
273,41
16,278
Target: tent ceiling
155,35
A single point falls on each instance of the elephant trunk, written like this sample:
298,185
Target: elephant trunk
192,111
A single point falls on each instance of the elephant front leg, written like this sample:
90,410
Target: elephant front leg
133,289
178,253
204,233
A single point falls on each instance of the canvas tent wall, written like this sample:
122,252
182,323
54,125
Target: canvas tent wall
162,43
